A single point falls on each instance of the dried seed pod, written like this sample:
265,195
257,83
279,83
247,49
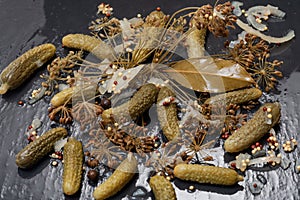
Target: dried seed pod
167,113
254,129
89,43
235,97
121,176
73,161
21,68
207,174
141,101
162,188
39,148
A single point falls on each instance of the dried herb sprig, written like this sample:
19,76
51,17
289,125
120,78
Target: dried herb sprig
266,73
105,27
165,159
61,114
60,69
248,50
85,112
103,149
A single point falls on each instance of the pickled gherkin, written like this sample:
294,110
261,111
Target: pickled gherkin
21,68
39,148
73,161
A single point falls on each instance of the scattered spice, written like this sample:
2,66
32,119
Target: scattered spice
21,103
93,175
92,163
54,163
155,38
289,145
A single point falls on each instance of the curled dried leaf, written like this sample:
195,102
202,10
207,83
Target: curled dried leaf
210,75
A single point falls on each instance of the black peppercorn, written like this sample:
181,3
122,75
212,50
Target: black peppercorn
105,103
93,175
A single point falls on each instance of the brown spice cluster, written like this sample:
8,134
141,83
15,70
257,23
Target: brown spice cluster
58,67
156,19
253,53
247,51
216,20
61,114
131,143
232,118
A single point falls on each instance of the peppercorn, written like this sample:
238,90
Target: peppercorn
105,103
92,163
21,103
93,175
87,153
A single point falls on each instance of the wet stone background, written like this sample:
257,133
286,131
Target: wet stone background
27,23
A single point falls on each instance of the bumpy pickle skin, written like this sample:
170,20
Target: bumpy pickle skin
162,188
39,148
121,176
73,94
254,129
62,97
167,114
236,97
89,43
24,66
207,174
141,101
73,161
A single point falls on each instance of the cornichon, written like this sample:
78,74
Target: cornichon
73,161
254,129
62,97
73,94
162,188
39,148
21,68
121,176
141,101
89,43
235,97
167,113
207,174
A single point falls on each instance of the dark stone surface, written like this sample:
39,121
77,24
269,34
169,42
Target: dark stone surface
26,23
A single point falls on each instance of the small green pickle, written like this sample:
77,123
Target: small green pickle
141,101
39,148
24,66
254,129
167,113
73,161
